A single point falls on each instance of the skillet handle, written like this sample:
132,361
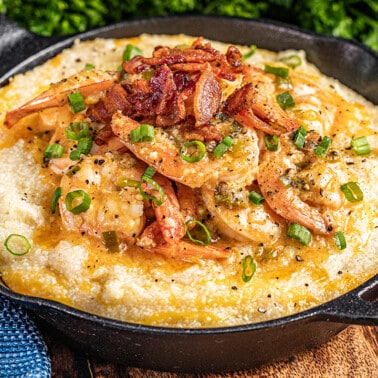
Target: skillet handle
17,43
360,306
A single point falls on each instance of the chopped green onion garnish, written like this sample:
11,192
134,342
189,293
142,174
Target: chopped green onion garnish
352,191
361,146
143,133
124,182
75,155
76,101
284,83
251,51
256,198
84,145
147,178
56,195
285,100
111,241
53,151
73,170
193,151
323,147
17,245
292,61
299,137
77,201
271,142
149,172
223,146
340,240
77,130
201,236
278,71
131,51
249,268
89,66
298,232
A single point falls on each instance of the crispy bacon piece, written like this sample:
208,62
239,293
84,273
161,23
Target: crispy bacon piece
207,97
205,133
185,84
114,100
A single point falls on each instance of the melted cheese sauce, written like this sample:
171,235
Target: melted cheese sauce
142,287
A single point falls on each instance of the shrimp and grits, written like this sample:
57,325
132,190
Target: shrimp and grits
176,181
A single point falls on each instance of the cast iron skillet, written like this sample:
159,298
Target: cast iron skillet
210,349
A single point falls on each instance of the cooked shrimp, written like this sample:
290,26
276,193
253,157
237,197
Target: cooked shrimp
163,153
168,216
87,82
254,105
240,219
298,185
152,240
112,208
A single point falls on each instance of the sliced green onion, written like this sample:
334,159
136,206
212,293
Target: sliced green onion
73,170
111,241
323,147
77,130
250,52
298,232
256,198
249,268
53,151
193,151
124,182
284,83
299,137
352,191
223,146
278,71
271,142
340,240
75,155
76,101
130,51
143,133
84,145
149,172
17,245
292,61
77,201
147,178
361,146
89,66
201,236
55,198
285,100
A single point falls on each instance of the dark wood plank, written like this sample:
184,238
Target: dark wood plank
352,353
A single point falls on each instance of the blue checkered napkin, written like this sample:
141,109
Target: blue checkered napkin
22,350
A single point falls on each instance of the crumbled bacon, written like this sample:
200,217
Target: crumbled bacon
207,97
114,100
184,85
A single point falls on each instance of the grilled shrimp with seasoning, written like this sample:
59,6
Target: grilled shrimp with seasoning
111,208
238,218
163,153
300,186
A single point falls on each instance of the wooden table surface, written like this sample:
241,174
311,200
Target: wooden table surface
352,353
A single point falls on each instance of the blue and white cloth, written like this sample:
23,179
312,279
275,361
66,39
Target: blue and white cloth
23,352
